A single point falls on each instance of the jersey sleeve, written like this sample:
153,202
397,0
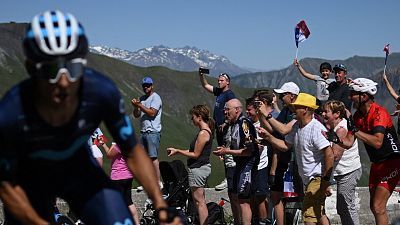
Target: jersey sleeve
117,121
381,120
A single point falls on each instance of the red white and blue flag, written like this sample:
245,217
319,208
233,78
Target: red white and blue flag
301,32
386,49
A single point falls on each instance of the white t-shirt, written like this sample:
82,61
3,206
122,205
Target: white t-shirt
350,160
322,87
307,144
264,153
96,151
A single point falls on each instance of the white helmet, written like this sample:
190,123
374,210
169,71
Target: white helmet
364,85
53,34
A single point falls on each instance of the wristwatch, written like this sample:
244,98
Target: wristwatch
269,116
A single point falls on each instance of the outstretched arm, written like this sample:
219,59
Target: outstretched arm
17,203
390,88
302,71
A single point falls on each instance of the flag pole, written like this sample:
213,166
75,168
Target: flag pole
297,51
384,68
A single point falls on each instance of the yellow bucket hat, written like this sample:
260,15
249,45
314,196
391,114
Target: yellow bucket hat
304,99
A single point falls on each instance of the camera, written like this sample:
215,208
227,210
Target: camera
204,71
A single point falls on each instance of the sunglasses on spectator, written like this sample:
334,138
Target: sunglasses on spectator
52,70
146,85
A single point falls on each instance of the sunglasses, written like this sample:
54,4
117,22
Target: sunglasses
52,70
146,85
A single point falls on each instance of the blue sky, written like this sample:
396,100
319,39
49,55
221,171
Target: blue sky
256,34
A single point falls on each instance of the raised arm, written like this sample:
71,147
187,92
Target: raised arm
205,84
389,87
302,71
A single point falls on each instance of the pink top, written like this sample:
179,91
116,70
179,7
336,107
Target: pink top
119,169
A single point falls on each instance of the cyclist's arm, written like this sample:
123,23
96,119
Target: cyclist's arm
303,72
205,84
375,140
141,165
390,88
17,203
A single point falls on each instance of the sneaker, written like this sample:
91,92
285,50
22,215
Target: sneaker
140,188
222,185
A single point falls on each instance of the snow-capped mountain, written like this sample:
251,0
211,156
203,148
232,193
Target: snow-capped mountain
183,59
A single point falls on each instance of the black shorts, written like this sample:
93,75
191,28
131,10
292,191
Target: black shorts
279,173
260,184
243,177
125,186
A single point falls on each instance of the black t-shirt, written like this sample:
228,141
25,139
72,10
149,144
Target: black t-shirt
340,93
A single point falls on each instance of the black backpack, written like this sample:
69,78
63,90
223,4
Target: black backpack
215,213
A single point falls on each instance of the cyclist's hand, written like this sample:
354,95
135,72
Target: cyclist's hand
168,216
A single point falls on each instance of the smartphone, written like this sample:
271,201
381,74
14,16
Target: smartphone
204,71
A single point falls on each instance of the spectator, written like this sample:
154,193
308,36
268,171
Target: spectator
280,126
121,176
339,89
96,152
241,143
322,81
313,155
347,167
199,158
260,184
223,94
149,108
373,126
396,97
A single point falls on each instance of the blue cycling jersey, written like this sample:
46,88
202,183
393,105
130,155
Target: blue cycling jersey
50,161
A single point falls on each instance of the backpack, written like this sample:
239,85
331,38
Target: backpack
215,213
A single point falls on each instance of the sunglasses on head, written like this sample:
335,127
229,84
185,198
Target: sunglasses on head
52,70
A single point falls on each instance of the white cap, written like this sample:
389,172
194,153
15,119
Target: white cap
290,87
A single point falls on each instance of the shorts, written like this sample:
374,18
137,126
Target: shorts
243,177
314,201
151,142
279,173
125,186
229,174
385,174
198,176
260,186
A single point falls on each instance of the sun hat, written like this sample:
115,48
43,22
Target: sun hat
304,99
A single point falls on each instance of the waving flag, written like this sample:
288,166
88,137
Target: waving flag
301,32
386,49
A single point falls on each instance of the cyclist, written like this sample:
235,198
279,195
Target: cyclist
45,122
372,125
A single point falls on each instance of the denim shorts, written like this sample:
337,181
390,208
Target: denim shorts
151,142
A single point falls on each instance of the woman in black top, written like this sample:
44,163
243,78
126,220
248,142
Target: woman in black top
396,97
199,157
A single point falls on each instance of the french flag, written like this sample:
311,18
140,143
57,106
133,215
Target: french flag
301,32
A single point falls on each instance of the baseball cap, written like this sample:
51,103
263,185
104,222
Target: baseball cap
304,99
147,80
339,67
290,87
